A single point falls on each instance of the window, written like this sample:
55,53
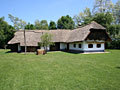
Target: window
79,45
90,45
74,45
98,45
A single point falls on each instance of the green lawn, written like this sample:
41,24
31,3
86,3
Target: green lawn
60,71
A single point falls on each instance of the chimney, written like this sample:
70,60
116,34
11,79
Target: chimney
79,25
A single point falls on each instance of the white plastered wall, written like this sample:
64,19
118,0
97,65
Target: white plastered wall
84,46
71,46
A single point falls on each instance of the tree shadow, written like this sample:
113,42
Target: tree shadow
118,67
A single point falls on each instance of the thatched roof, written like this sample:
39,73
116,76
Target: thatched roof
33,36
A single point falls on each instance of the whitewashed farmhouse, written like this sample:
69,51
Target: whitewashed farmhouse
90,38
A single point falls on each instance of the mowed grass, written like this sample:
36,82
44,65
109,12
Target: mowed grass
60,71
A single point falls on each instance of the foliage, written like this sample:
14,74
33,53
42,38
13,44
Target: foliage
52,25
45,40
41,25
18,23
83,18
44,25
115,44
114,30
30,26
102,6
116,12
104,19
6,32
37,24
65,22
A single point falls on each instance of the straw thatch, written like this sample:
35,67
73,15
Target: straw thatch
67,36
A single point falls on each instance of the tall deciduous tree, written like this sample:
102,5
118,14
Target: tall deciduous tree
65,22
114,30
84,17
44,25
104,19
6,32
37,24
41,25
52,25
19,24
102,6
117,12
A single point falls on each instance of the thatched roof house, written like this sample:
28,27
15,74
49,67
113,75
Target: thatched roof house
64,39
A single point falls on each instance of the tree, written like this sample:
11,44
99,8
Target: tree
65,22
18,23
37,24
87,16
83,18
6,32
78,19
104,19
30,26
102,6
114,30
52,25
41,25
117,12
45,41
44,25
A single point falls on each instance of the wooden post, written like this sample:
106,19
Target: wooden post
25,41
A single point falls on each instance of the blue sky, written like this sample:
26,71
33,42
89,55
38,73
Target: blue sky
30,10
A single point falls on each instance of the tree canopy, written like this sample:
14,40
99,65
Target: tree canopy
41,25
18,23
104,19
116,12
46,40
30,26
44,25
52,25
83,18
37,24
6,32
102,6
65,22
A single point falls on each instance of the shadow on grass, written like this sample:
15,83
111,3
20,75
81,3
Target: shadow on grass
118,67
8,52
12,52
72,52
